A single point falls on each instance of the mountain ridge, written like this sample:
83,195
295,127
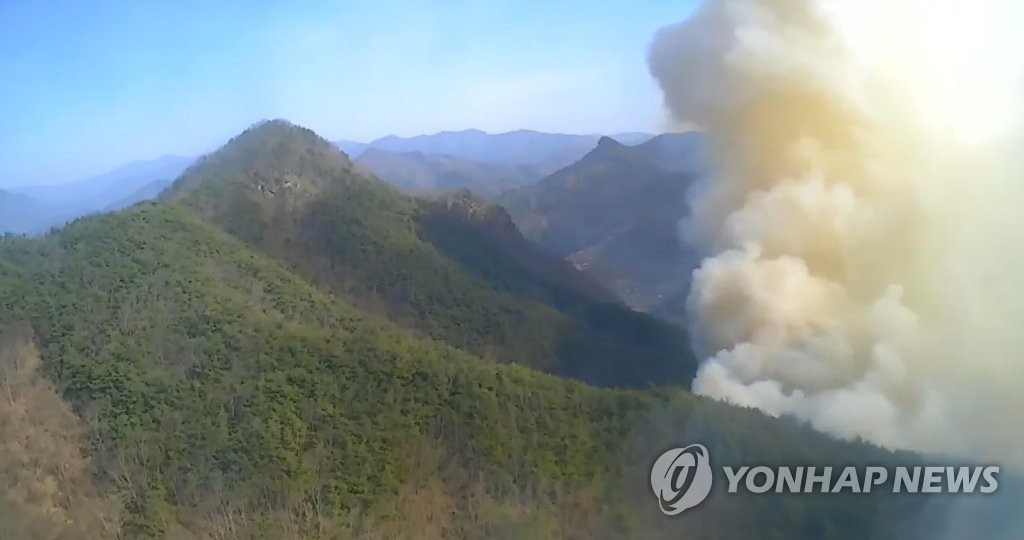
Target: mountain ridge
520,147
123,180
222,390
291,194
419,173
21,214
615,213
57,204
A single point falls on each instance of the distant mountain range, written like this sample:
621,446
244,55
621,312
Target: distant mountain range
610,205
99,191
47,206
486,164
615,213
523,147
20,213
144,193
281,346
420,173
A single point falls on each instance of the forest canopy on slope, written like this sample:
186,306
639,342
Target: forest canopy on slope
200,388
229,396
456,270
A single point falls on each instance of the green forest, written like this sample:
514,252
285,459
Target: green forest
282,348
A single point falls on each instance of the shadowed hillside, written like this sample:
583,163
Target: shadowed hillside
423,265
616,214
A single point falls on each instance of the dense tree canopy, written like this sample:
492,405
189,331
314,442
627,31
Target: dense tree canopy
221,391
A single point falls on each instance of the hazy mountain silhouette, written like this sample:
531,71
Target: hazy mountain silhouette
21,214
550,151
419,173
149,191
118,188
615,213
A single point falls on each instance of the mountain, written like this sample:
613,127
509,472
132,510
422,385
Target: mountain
351,148
207,391
173,371
419,173
107,190
457,271
149,191
674,152
631,137
615,213
551,151
21,214
34,209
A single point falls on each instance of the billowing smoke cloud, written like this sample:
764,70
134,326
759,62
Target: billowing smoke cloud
865,225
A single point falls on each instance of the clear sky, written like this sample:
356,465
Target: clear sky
87,86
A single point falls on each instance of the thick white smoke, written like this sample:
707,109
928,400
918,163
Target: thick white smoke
865,224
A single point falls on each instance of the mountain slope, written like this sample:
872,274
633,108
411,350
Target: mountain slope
419,173
150,191
615,213
351,148
55,205
21,214
292,195
96,193
49,489
229,398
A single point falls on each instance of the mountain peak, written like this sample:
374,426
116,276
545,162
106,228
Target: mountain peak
608,142
470,131
277,129
677,152
607,148
269,159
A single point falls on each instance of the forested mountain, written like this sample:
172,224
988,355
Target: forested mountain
176,370
616,214
419,173
226,397
292,195
551,151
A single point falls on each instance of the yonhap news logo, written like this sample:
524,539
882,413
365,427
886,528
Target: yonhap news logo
681,479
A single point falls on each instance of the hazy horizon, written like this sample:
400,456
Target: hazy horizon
173,155
97,87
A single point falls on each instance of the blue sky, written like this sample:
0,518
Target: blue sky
87,86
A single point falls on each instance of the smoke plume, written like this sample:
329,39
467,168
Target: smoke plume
865,223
